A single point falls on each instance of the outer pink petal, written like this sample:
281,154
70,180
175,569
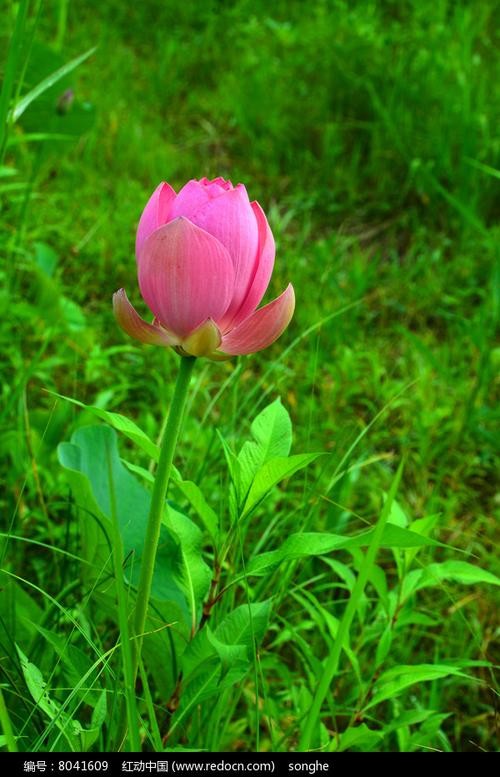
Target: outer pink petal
262,328
231,220
185,276
155,214
131,322
263,268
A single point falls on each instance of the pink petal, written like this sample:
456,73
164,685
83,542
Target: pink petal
226,184
231,219
263,268
131,323
185,276
193,196
155,214
262,327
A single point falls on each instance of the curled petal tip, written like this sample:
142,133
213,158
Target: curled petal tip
131,323
262,327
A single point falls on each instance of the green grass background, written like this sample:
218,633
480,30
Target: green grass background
368,132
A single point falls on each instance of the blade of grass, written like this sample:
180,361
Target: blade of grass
37,137
11,68
62,23
121,595
103,663
155,735
488,169
47,83
332,662
10,739
27,47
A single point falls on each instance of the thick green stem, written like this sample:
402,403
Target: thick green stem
158,502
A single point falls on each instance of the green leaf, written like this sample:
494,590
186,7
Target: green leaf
461,572
19,614
220,659
197,653
69,728
358,738
396,680
408,718
245,625
233,466
333,624
99,712
93,467
75,662
383,646
397,515
73,315
274,471
133,432
215,661
199,504
272,432
424,526
316,544
92,459
36,685
232,462
232,640
136,469
196,574
457,571
230,655
399,518
378,580
121,423
45,259
412,618
343,571
424,737
201,687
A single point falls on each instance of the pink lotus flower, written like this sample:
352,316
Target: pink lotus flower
205,258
